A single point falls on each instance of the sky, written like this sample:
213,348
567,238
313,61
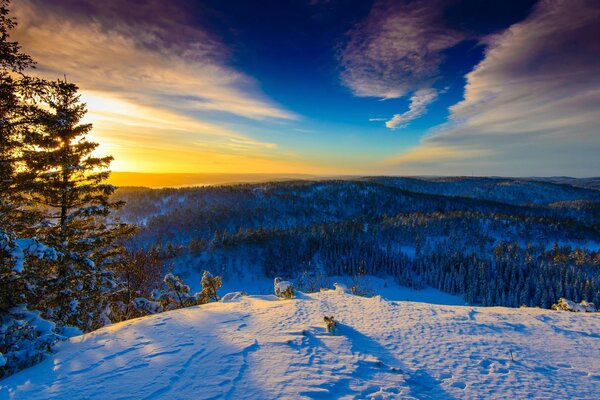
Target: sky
327,87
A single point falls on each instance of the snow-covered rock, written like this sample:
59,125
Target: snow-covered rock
232,296
284,289
340,287
247,348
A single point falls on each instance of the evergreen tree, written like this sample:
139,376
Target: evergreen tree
176,295
13,87
24,335
210,285
66,180
16,223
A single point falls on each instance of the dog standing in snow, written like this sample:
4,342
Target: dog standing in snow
330,323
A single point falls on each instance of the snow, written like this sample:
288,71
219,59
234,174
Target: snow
340,287
232,296
263,347
70,331
570,305
387,288
281,286
384,286
20,248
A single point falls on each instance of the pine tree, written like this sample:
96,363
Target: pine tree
22,340
176,295
13,86
65,176
10,62
210,285
16,224
66,180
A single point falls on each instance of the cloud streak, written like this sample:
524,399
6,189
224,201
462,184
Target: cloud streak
397,50
531,104
156,85
417,108
157,58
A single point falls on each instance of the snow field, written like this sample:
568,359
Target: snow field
261,347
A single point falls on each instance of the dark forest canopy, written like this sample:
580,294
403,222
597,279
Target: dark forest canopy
496,241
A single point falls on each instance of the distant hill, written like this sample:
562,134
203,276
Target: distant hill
588,183
176,180
506,190
153,180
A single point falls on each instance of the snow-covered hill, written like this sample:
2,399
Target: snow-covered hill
261,347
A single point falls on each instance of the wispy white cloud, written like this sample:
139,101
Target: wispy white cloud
148,52
158,88
397,50
531,106
417,108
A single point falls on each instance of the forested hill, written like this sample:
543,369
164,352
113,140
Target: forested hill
495,241
328,201
512,191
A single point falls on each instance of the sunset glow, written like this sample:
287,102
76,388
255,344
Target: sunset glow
328,87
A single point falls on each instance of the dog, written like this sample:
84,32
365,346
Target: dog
330,323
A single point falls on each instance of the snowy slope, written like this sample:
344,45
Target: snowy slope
263,348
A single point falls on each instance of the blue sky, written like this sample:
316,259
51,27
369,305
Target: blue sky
434,87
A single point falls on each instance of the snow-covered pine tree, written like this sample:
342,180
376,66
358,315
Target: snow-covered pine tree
14,85
24,335
16,222
11,62
176,295
210,285
66,180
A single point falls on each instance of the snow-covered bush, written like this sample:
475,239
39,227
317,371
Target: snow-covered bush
210,285
135,308
176,295
146,306
569,305
359,286
284,289
24,339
